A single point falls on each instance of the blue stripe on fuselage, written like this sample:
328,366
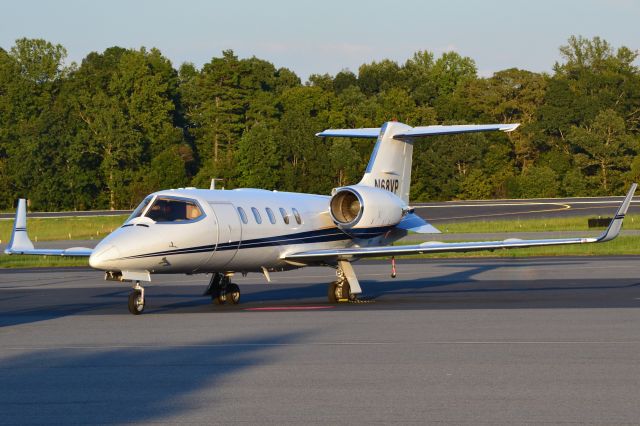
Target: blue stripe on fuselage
308,237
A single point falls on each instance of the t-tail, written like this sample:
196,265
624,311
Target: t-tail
390,163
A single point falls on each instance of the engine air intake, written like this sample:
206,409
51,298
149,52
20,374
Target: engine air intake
346,207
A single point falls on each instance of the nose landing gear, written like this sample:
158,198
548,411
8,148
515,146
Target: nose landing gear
136,299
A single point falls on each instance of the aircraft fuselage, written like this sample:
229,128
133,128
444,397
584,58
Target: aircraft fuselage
237,231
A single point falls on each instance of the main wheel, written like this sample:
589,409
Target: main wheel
339,293
333,289
219,297
233,294
136,302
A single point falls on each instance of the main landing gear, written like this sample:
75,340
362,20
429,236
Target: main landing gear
222,290
346,288
136,299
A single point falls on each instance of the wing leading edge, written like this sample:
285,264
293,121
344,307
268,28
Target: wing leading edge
417,132
437,247
21,243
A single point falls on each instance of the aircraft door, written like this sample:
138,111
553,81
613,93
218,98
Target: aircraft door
229,235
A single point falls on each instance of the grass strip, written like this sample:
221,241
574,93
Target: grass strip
623,245
65,228
18,261
97,227
576,223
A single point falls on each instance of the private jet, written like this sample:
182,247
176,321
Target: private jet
224,232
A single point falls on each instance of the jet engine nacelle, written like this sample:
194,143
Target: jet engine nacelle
359,206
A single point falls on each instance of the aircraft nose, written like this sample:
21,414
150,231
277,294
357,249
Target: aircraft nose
102,256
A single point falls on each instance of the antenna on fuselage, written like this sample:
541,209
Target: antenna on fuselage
213,183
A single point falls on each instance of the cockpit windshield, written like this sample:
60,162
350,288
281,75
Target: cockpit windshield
138,211
173,210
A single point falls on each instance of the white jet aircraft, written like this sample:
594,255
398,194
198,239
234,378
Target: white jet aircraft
194,231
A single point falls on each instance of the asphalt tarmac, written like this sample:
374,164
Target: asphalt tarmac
486,341
468,211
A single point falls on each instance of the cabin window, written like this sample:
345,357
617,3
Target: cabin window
272,217
297,216
140,209
285,215
256,214
173,210
243,215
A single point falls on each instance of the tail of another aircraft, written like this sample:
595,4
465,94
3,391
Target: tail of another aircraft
390,163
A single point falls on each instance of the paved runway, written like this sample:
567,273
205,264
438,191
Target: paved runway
493,341
469,211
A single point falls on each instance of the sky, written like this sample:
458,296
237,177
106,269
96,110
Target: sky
326,36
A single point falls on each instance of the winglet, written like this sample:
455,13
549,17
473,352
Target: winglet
616,224
19,238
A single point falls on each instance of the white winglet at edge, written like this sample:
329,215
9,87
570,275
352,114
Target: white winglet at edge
20,242
616,223
19,238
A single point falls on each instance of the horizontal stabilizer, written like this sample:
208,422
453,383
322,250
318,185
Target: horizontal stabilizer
371,132
453,130
415,132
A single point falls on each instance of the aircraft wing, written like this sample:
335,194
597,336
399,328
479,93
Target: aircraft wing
21,244
437,247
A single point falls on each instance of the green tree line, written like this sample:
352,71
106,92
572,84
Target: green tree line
125,122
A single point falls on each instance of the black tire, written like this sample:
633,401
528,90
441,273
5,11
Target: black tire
346,292
333,288
338,294
218,297
233,294
135,307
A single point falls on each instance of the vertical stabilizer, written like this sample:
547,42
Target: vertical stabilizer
390,163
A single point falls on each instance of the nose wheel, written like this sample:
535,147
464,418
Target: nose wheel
136,299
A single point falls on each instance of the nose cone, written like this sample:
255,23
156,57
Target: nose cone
103,256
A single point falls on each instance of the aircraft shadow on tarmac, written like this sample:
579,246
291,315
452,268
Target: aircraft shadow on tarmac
128,385
460,290
457,290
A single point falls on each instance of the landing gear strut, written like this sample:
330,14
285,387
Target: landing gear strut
222,290
346,288
136,299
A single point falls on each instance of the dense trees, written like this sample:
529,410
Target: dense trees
125,122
